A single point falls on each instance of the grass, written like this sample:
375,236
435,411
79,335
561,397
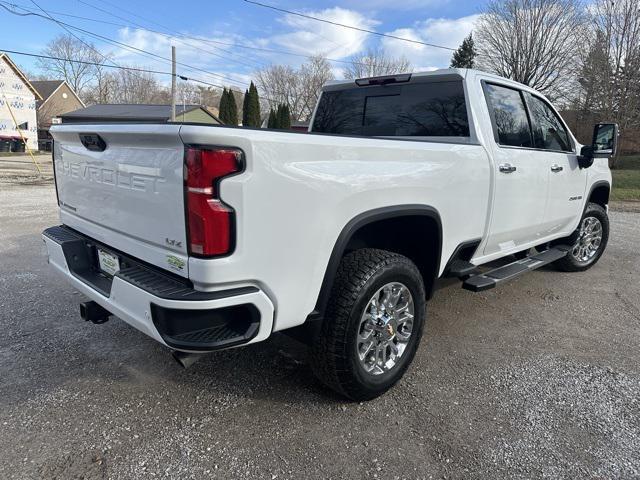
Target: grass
626,179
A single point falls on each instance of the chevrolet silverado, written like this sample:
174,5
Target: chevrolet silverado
210,237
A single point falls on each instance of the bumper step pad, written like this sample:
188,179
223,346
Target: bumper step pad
79,251
487,280
206,330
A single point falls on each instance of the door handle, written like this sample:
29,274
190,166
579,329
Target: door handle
506,168
556,168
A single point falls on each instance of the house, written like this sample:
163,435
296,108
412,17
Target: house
116,113
17,108
57,98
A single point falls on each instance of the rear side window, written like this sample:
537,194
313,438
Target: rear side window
548,131
509,116
435,109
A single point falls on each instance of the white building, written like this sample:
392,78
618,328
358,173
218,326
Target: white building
17,108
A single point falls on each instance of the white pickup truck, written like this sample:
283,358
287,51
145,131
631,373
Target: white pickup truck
209,237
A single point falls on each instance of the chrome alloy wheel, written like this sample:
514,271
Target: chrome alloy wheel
589,240
385,328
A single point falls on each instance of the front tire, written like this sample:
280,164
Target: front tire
373,324
588,242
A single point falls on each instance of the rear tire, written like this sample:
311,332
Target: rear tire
588,242
369,337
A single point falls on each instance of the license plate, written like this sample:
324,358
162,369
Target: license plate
108,262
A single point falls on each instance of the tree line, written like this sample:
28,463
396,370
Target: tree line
584,58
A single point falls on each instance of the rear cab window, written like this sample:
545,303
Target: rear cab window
428,109
508,116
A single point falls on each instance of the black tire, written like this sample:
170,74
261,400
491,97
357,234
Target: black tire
334,358
570,263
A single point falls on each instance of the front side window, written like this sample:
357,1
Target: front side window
548,131
434,109
510,119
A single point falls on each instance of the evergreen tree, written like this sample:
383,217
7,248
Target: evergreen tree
279,116
232,108
465,55
223,109
284,117
245,108
252,107
273,120
596,78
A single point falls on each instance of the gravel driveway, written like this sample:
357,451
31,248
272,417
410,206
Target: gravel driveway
539,378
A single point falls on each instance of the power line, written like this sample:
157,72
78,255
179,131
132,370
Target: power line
134,69
337,24
218,42
74,35
121,44
84,62
149,54
118,67
190,37
170,35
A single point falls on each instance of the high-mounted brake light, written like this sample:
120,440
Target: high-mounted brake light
384,80
210,222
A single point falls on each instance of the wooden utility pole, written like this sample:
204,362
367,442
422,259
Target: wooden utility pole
173,83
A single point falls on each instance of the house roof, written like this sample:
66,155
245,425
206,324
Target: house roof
14,67
46,88
130,112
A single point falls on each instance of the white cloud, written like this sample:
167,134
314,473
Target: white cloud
439,31
313,37
226,64
300,35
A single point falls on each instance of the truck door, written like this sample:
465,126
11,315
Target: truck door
521,178
567,182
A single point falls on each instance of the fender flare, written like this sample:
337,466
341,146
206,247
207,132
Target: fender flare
356,224
598,184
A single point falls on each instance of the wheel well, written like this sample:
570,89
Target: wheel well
417,237
600,195
414,231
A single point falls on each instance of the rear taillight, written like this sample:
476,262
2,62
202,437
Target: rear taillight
210,222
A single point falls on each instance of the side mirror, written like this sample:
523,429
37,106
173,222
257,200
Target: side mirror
603,145
605,140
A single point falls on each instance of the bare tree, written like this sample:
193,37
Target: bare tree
68,51
535,42
374,63
208,96
313,75
127,86
139,87
102,88
280,85
297,88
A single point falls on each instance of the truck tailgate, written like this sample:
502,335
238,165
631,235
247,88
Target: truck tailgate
128,195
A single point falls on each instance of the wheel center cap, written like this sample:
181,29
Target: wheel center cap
386,327
390,330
